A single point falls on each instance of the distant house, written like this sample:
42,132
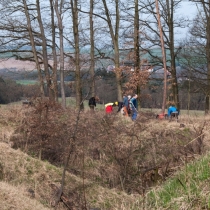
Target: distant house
110,68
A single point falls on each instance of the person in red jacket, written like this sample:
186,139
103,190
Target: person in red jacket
109,107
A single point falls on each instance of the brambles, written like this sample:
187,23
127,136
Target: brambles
108,150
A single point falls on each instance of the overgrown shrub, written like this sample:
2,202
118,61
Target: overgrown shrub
108,149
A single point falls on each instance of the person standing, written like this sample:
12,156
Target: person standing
92,103
125,105
134,107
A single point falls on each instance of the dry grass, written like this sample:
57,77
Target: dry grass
13,197
123,146
33,178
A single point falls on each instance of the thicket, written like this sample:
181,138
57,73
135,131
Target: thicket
10,91
107,149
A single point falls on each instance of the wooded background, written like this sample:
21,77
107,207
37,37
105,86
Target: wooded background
72,43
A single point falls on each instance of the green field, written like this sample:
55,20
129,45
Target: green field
27,82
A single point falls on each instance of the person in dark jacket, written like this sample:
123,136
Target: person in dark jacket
125,105
120,105
92,103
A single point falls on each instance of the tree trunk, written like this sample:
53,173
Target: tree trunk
44,51
164,58
208,65
174,83
41,82
136,49
92,62
115,40
55,63
79,104
58,10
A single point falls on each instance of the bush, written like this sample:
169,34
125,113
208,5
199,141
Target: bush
107,149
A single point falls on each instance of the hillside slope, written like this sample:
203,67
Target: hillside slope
159,150
12,197
36,180
188,189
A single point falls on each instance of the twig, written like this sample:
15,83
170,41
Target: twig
197,137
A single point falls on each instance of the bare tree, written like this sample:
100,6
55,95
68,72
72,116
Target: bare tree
196,54
44,51
74,10
23,28
136,46
206,16
58,10
54,54
34,48
92,61
169,23
115,41
164,57
169,19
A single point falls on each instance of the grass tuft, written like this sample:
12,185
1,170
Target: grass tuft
187,187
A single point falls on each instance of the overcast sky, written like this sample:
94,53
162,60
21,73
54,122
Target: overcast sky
187,9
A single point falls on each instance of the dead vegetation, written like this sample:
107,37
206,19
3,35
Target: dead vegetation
13,198
107,152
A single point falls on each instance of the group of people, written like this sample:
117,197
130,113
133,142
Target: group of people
128,107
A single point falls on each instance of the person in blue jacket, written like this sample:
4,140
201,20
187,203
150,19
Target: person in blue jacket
134,107
173,111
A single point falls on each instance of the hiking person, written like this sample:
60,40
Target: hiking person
120,105
129,105
92,103
125,105
134,107
173,112
109,107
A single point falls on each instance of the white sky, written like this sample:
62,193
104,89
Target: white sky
187,9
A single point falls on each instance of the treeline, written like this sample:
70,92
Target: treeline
11,91
151,96
121,33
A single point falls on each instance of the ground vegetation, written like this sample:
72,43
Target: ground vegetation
127,161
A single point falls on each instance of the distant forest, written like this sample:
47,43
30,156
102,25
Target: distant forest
151,97
14,74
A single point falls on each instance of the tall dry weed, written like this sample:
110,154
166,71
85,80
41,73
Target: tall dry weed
110,150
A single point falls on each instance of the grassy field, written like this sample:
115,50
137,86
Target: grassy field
27,82
70,101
